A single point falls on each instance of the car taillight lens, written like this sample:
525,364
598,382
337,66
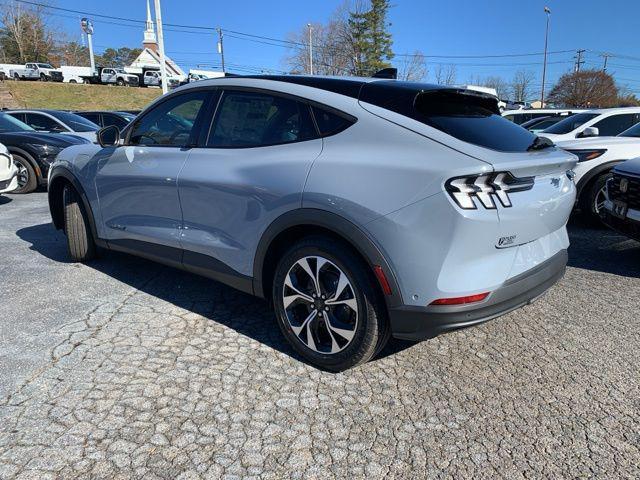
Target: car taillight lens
461,300
486,188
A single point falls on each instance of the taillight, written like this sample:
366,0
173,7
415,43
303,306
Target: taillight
486,188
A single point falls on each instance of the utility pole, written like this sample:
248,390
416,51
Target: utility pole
310,49
578,58
221,48
606,57
547,10
163,59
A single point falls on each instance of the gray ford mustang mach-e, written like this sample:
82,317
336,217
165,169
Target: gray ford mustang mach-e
361,208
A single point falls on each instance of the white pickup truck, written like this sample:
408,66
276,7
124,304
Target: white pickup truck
36,71
112,76
153,78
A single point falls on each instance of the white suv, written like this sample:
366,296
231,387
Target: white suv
596,158
606,122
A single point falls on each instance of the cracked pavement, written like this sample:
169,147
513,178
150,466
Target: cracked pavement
127,369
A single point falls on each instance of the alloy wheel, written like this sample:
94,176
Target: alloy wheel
23,175
320,305
598,201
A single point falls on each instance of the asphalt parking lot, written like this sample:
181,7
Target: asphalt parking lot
126,369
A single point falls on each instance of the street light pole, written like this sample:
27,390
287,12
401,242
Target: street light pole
544,64
310,49
221,48
163,60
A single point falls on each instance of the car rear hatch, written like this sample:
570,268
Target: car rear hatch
470,123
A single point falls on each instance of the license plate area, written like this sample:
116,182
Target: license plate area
619,209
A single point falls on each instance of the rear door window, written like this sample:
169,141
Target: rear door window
92,117
42,123
256,119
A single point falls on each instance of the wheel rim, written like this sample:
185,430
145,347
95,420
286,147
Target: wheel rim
23,175
598,202
320,305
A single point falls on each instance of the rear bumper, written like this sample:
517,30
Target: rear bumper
417,323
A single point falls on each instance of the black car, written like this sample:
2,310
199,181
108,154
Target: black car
106,119
32,151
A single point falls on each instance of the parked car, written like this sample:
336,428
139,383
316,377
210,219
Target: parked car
522,115
622,206
112,76
8,171
32,152
537,125
362,208
106,118
57,121
37,71
597,157
606,122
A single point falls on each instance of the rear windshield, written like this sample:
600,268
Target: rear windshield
471,120
75,122
571,123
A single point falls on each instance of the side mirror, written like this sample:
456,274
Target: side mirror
109,136
588,132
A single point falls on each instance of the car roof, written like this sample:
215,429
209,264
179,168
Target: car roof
349,86
601,111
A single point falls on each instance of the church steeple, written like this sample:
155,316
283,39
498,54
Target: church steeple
150,40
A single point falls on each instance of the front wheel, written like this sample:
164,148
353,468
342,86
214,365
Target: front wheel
27,179
594,197
120,82
327,306
43,77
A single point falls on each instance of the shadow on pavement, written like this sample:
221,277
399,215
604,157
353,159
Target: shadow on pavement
247,315
4,199
601,249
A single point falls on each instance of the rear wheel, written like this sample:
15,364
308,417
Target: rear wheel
27,178
80,242
16,77
594,197
72,81
327,306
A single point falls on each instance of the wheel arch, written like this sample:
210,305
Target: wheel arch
60,177
592,174
29,157
300,223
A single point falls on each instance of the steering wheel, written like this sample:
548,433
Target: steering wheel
144,135
176,134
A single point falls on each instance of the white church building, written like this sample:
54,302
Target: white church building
150,56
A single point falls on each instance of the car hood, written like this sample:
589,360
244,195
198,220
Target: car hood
630,166
597,142
53,139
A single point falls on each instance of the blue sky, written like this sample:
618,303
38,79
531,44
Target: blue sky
461,27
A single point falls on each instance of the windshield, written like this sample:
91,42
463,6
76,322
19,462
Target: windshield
631,132
571,123
10,124
119,70
44,65
75,122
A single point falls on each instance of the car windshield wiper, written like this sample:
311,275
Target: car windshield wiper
540,143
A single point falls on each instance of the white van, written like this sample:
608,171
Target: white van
73,74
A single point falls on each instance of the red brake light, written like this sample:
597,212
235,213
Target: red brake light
478,297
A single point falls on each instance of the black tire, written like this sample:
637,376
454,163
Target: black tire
27,178
80,242
592,198
120,82
16,77
72,81
43,77
371,330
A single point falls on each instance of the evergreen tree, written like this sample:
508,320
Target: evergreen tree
371,38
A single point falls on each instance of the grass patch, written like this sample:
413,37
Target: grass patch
65,96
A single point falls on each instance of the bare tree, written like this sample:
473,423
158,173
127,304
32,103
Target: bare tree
445,74
521,86
25,36
413,68
499,84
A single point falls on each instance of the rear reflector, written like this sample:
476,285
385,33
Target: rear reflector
382,279
461,300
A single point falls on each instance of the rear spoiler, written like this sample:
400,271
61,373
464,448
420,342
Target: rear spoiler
390,73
